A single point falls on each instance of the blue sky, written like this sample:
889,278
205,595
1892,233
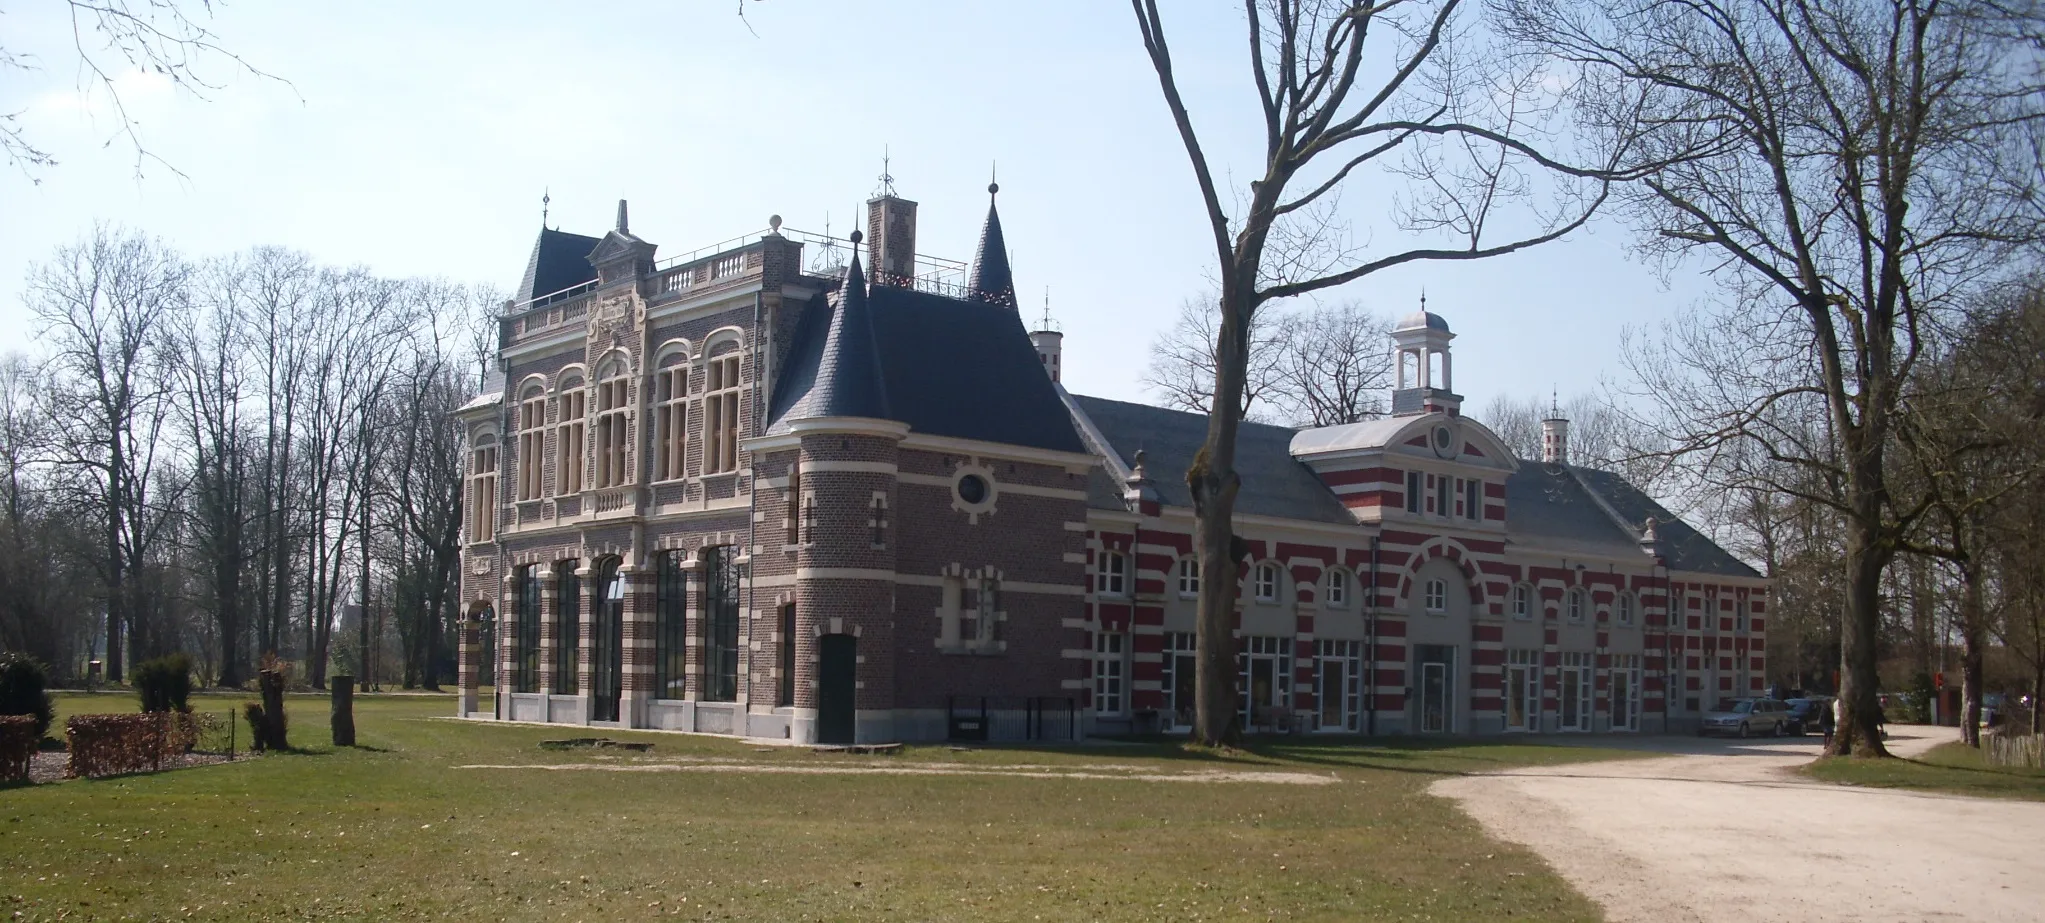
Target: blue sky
417,138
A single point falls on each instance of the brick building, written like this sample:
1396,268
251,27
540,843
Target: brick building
757,489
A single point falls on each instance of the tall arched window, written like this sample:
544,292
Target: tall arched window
532,442
613,426
570,425
671,420
721,414
670,627
483,489
526,670
722,578
567,628
607,642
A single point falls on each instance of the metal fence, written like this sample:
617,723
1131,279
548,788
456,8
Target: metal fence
995,719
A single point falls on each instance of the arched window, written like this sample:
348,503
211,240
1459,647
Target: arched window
1522,601
613,426
483,489
722,578
570,424
532,442
607,641
1189,577
1576,605
720,414
670,420
1114,574
567,628
1267,582
1338,588
1623,608
670,627
1437,595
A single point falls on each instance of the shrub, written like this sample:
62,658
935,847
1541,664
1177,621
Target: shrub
105,745
164,683
22,684
18,739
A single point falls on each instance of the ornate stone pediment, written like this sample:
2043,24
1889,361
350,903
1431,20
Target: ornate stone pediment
614,318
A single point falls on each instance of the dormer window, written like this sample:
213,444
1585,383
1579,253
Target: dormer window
1267,582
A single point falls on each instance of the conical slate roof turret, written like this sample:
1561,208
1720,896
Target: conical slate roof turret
991,281
848,375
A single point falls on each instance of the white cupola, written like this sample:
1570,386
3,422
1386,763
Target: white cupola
1420,356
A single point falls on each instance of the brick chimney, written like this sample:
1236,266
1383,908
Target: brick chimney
891,236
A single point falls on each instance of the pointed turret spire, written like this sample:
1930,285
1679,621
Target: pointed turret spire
847,382
991,281
624,227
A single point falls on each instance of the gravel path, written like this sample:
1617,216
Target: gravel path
1725,831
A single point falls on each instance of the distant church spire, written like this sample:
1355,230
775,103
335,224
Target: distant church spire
991,281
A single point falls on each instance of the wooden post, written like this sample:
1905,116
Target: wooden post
344,710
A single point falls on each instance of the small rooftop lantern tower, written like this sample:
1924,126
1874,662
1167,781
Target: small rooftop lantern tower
1420,356
1555,435
1050,342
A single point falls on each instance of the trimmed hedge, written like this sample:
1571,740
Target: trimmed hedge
165,683
22,684
106,745
18,740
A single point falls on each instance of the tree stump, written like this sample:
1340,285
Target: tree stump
344,710
272,683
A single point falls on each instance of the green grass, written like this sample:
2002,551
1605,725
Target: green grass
1953,768
394,831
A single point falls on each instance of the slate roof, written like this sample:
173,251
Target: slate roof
944,366
560,260
991,280
1683,547
1544,501
1274,483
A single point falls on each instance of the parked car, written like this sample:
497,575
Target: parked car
1806,714
1746,718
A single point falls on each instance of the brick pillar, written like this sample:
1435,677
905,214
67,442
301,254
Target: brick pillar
585,611
507,643
692,626
1305,702
550,646
469,660
638,637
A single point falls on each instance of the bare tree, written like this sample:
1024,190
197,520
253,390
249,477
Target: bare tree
111,38
106,302
1334,364
1342,86
1181,369
1847,169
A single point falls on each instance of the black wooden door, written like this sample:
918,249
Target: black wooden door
838,658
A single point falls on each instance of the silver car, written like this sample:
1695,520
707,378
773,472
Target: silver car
1746,718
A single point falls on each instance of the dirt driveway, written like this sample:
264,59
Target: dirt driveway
1725,831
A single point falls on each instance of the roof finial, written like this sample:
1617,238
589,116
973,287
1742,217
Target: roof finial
887,179
992,186
1047,307
1423,299
1555,402
546,200
624,227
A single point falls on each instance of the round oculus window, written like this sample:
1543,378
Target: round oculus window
973,489
1444,442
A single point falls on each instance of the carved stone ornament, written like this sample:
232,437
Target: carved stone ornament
480,565
613,319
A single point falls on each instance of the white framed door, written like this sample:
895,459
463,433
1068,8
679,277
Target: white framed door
1625,692
1523,690
1338,684
1575,699
1435,693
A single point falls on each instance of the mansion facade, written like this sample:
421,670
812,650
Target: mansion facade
782,488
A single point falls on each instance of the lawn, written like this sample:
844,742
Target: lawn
1954,768
398,830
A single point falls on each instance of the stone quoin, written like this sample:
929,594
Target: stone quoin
836,492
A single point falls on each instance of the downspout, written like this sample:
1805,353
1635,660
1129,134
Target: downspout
1370,714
